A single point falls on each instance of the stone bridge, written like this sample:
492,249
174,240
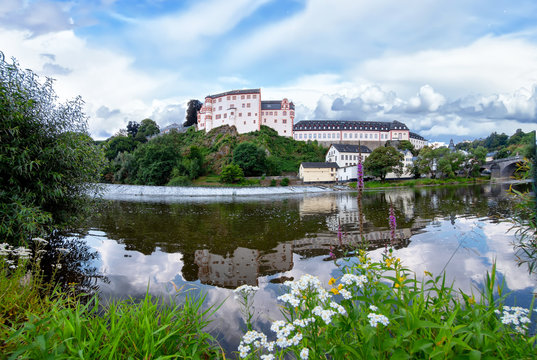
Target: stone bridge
503,168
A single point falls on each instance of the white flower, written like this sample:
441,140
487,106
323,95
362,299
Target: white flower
374,319
373,308
304,353
349,279
40,240
267,357
346,294
243,350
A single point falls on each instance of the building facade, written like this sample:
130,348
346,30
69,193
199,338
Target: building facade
245,110
346,154
417,140
370,133
318,171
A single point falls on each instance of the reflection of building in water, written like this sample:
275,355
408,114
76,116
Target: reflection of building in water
405,200
323,243
317,205
243,267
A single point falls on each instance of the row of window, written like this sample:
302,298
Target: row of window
275,121
272,112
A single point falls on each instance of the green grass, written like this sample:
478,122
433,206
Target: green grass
36,323
421,182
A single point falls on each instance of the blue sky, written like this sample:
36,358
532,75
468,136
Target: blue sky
448,69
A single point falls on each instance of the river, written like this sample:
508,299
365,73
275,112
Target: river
215,244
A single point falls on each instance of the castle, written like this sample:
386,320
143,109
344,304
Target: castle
245,110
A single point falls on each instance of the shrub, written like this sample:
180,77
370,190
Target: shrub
179,181
273,182
48,162
231,174
284,182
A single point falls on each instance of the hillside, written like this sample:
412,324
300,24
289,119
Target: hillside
194,153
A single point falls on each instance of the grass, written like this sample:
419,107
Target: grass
37,322
421,182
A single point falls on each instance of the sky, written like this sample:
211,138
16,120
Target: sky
455,69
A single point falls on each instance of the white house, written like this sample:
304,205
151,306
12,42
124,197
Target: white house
245,110
318,171
346,154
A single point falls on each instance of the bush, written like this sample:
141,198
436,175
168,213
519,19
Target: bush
284,182
179,181
273,182
231,174
48,162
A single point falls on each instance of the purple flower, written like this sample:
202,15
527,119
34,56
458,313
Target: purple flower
393,223
360,174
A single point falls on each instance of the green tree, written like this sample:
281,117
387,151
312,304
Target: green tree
147,128
132,128
231,173
382,161
154,162
192,112
426,164
48,162
475,158
406,145
250,158
118,144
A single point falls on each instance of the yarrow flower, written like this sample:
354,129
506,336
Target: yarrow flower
374,319
256,339
349,279
245,291
304,353
515,316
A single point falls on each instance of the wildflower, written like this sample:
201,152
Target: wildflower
345,293
64,250
374,319
245,291
393,223
349,279
304,353
471,300
373,308
267,357
360,174
335,291
40,240
331,281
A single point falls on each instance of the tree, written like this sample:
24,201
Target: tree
118,144
192,112
406,145
382,161
155,162
231,173
147,128
475,158
132,128
426,163
48,162
251,159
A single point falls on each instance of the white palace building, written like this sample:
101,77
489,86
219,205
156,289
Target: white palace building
245,110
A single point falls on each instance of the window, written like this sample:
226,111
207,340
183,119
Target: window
245,123
225,116
361,135
284,121
219,108
249,114
254,96
345,135
228,97
275,121
234,97
242,97
240,114
356,135
248,96
243,105
285,131
265,121
248,105
285,112
309,136
219,99
254,121
324,135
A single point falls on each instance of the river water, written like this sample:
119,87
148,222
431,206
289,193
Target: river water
213,245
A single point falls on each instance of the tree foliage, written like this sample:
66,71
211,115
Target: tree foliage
251,159
231,173
192,112
48,162
147,128
382,161
132,128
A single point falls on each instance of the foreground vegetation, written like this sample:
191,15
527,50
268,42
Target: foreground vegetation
39,322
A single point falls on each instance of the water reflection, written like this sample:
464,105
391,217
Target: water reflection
217,246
